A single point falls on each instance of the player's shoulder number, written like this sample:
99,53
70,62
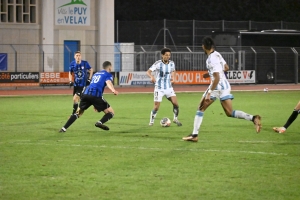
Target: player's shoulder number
96,78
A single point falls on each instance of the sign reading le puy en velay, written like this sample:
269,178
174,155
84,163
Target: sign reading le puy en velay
72,12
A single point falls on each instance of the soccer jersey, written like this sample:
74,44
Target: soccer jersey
163,74
215,63
98,83
80,72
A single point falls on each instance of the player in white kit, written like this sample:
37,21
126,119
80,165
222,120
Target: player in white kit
219,88
164,75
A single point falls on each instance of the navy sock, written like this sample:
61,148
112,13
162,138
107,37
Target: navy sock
106,117
71,120
293,116
75,107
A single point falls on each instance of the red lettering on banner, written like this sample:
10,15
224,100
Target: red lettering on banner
245,74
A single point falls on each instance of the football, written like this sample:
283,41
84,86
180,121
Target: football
165,122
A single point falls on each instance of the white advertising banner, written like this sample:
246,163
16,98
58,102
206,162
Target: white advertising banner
72,12
134,78
187,77
245,76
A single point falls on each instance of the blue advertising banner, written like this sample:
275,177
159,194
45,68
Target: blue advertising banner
3,61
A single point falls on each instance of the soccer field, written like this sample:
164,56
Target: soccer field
135,161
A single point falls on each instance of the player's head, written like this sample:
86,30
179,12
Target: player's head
107,66
77,56
165,54
208,44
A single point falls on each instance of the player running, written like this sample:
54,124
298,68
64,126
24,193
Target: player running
93,95
218,88
164,70
290,120
80,68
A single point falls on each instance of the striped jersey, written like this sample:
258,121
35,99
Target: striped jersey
163,74
98,83
80,72
215,63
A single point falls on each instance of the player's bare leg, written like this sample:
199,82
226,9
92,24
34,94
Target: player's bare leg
290,120
109,114
154,112
174,101
204,104
227,107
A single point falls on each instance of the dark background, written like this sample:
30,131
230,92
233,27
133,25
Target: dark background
236,10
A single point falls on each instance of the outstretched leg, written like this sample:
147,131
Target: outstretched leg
71,120
290,120
227,107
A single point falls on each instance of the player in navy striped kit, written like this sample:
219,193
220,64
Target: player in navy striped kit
80,69
218,88
164,77
93,95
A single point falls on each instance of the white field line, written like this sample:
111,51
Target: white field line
199,91
155,149
274,142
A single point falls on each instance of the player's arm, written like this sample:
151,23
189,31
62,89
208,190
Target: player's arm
173,73
225,68
91,71
206,75
111,87
70,78
213,85
149,73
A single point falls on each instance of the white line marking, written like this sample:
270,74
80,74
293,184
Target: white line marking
276,142
156,149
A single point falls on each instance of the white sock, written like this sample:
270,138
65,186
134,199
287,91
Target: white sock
153,115
241,115
175,118
197,121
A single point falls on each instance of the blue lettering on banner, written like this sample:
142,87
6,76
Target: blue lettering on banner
79,11
141,83
74,20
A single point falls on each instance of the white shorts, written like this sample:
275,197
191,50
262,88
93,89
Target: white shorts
219,94
160,93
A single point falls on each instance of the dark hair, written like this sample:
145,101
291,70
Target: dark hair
77,52
164,50
106,64
208,43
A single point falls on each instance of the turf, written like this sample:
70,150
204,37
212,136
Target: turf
135,161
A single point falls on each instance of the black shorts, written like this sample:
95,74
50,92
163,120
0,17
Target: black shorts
77,90
99,103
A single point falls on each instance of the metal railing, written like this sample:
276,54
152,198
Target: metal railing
272,64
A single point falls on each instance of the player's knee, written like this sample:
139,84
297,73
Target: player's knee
80,112
112,114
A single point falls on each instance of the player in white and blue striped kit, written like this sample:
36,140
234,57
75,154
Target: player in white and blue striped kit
219,88
164,75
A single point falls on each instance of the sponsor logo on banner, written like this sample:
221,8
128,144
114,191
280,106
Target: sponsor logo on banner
181,77
134,78
191,78
72,12
245,76
19,78
54,78
126,78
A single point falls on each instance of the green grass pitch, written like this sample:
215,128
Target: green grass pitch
135,161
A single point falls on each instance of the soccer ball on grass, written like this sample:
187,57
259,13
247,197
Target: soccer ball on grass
165,122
